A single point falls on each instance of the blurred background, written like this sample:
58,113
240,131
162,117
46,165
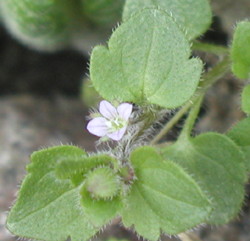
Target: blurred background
41,101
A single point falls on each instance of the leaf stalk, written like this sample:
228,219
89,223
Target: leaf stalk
210,48
209,79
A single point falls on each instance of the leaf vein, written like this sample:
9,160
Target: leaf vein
167,196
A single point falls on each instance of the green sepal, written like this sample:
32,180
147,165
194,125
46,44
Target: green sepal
246,99
193,16
48,208
240,134
217,164
147,60
240,52
164,195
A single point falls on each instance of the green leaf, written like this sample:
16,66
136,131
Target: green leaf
100,211
246,99
44,161
75,167
89,94
39,24
240,133
240,52
164,195
102,11
48,208
217,164
147,60
193,16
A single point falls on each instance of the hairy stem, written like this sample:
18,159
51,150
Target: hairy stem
210,48
209,79
214,74
190,121
171,123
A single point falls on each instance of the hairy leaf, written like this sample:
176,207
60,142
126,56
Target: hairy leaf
217,164
240,133
49,208
100,211
164,195
39,24
75,167
193,16
147,60
240,52
246,99
102,11
89,94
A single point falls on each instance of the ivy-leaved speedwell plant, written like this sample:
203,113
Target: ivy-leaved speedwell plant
145,72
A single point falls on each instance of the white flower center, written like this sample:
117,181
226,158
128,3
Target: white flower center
115,124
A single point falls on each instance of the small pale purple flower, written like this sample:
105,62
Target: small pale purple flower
114,121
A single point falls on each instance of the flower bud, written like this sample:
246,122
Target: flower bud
102,183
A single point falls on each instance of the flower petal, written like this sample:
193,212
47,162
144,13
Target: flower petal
125,110
116,136
107,110
98,126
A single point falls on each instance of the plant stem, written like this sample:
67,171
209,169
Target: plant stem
210,48
190,121
214,74
171,123
209,79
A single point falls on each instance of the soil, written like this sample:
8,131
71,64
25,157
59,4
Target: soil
25,71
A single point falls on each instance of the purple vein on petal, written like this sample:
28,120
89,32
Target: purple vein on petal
125,110
107,110
98,126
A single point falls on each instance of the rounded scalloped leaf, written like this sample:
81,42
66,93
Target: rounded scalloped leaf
193,16
48,208
38,24
147,60
240,134
164,194
240,51
102,12
217,164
